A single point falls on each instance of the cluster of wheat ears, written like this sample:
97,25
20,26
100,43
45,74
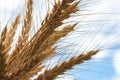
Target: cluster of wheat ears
28,56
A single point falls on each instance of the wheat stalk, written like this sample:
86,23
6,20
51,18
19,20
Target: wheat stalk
28,56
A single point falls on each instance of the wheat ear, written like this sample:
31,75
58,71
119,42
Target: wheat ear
27,24
23,39
66,65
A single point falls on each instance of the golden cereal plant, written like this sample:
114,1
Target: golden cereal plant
28,56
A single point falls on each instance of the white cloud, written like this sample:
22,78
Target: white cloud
116,78
117,65
117,62
101,55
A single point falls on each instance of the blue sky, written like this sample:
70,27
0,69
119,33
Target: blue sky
101,33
